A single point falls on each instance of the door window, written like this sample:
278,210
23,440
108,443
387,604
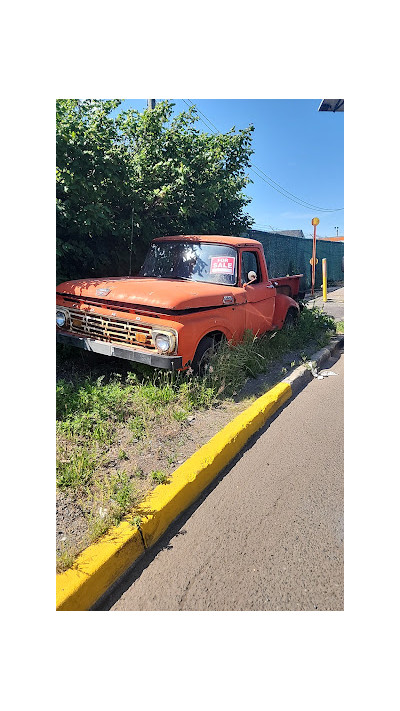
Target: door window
250,264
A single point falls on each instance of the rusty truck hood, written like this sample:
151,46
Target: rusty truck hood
169,294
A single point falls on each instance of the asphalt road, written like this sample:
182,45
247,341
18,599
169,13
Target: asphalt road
269,534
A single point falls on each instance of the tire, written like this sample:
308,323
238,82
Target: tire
205,350
291,319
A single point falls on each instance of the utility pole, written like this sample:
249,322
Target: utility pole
130,255
151,103
337,231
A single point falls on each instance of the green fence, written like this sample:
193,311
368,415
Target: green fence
291,255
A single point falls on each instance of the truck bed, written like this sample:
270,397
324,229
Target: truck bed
289,285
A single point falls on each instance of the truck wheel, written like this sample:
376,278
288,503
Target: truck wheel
205,350
291,318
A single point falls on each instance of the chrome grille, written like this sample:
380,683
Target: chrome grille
111,330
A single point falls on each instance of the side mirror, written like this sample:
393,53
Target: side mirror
252,276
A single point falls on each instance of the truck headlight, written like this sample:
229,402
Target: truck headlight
60,318
164,342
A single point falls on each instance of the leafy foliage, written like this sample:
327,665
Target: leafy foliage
175,179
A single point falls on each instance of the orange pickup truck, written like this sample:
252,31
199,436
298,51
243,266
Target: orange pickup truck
192,292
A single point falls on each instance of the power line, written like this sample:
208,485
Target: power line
296,200
267,179
300,200
285,192
270,228
200,112
255,168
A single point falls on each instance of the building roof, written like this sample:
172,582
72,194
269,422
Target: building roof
332,239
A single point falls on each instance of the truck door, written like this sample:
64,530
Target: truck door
260,295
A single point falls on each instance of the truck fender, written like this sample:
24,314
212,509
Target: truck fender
218,331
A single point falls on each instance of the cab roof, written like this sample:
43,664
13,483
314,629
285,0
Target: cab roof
218,239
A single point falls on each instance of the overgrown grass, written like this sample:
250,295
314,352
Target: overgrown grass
340,327
76,471
65,557
93,408
231,366
159,477
109,500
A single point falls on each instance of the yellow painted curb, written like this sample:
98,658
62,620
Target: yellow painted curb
167,501
98,566
102,563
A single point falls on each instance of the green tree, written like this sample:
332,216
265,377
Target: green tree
175,178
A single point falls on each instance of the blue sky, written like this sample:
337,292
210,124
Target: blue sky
298,147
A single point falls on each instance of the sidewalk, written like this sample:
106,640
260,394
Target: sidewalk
334,306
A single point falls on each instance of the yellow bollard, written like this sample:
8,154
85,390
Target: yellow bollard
324,280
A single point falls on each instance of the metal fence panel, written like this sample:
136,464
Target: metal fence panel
291,255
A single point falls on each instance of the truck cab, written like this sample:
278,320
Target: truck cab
192,291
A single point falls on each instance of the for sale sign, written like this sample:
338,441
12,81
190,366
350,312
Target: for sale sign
222,265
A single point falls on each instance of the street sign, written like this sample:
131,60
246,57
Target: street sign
315,221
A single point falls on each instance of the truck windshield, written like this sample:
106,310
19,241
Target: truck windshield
194,261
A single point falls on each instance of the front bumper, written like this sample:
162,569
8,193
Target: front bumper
89,344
